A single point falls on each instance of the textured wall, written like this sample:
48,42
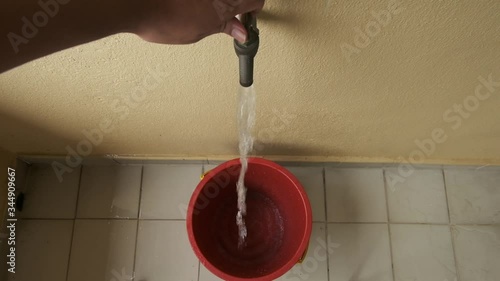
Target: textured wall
346,95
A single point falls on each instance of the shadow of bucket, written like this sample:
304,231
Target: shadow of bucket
279,221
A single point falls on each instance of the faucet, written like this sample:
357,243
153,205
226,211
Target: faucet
247,50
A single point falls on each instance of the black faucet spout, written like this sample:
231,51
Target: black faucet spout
247,50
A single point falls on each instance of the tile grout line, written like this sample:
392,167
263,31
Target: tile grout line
386,194
70,250
27,178
454,254
419,223
326,224
446,196
98,219
342,222
199,264
450,226
388,224
74,222
137,224
403,223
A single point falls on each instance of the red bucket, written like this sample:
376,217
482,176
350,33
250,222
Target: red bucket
279,221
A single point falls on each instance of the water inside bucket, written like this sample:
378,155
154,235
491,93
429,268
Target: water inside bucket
265,226
246,120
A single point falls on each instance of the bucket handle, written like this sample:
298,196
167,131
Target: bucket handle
204,174
303,257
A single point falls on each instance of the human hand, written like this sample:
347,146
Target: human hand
188,21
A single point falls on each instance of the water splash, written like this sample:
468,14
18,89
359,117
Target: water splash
246,120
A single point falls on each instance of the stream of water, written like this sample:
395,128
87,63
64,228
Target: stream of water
246,120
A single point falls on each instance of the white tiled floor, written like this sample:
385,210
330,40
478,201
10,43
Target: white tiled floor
421,198
102,250
166,189
163,252
109,192
355,195
477,249
473,195
117,223
43,248
47,197
362,252
422,252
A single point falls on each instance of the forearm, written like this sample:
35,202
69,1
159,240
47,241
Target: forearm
34,28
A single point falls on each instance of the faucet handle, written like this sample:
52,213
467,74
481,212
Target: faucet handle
249,21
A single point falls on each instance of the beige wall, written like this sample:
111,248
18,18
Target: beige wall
371,105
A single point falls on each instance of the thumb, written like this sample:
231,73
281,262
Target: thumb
235,29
